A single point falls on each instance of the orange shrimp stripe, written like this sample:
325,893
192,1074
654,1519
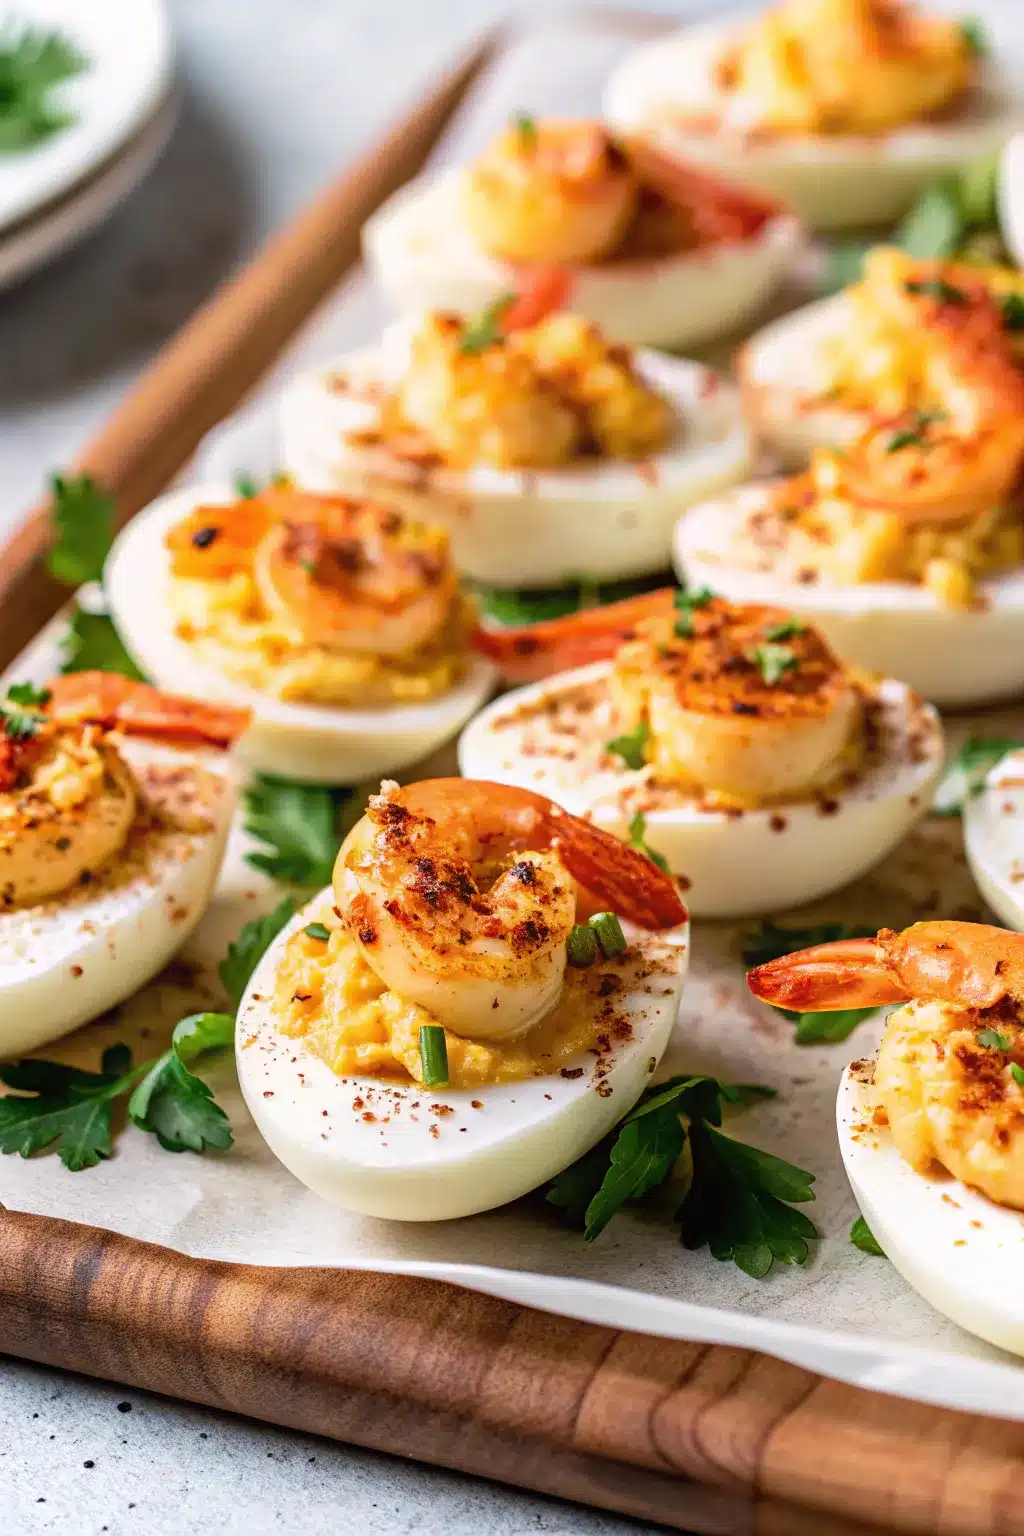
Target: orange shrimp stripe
138,709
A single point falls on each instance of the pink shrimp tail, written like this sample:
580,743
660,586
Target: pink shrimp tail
850,973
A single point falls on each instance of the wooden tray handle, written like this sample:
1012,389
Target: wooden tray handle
200,376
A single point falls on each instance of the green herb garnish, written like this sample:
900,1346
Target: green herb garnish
246,487
965,775
301,826
844,261
317,931
1017,1073
973,33
92,644
787,631
434,1056
770,942
739,1199
247,950
993,1040
72,1109
484,331
20,711
32,64
686,603
933,229
914,435
630,748
772,661
609,934
638,840
937,288
1013,312
581,945
862,1237
526,127
83,529
532,605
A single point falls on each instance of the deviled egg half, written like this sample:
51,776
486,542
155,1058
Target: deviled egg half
846,109
993,823
820,377
338,624
728,740
548,453
444,1030
932,1131
906,548
655,253
115,802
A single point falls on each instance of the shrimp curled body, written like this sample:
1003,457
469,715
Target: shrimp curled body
461,895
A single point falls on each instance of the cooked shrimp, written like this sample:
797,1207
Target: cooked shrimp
948,1075
710,210
68,799
968,965
529,652
461,895
550,190
354,576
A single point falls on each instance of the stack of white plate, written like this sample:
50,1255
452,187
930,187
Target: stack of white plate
123,109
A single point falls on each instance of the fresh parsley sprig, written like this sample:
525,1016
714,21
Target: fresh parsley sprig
964,775
300,825
770,941
638,840
83,526
686,603
532,605
485,330
631,747
20,714
738,1200
71,1110
92,644
772,660
33,63
862,1237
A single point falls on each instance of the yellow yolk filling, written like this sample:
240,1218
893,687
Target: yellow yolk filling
228,628
952,1100
326,995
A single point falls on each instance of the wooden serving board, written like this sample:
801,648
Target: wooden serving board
705,1439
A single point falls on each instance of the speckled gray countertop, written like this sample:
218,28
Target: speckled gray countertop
276,96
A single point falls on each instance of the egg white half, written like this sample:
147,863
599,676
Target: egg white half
957,1249
597,520
317,743
68,959
951,656
834,181
784,377
1010,196
421,253
393,1155
744,865
994,839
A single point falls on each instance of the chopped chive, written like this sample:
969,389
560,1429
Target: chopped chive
1017,1073
787,631
433,1056
993,1040
609,934
317,931
581,945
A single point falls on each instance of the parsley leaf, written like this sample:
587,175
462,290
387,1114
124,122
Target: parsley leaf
787,631
83,525
1012,307
843,264
686,603
965,775
937,288
862,1237
975,40
246,486
28,693
770,942
483,332
32,63
1017,1073
526,127
772,661
738,1200
92,644
300,826
246,951
631,746
171,1102
933,228
19,712
993,1040
914,435
637,840
69,1107
740,1203
532,605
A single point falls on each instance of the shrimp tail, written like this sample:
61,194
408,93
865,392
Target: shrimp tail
616,877
138,709
530,652
850,973
537,292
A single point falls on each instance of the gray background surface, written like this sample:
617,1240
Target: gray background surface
278,94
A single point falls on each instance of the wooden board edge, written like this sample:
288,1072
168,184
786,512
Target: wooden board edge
703,1438
228,345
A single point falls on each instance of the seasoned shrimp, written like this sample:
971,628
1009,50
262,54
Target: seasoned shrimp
461,895
969,965
948,1077
550,190
529,652
67,797
344,575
